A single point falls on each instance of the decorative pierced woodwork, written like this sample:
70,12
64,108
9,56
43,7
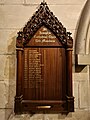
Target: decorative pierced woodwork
44,65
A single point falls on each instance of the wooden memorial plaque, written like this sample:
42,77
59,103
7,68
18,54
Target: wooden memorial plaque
44,65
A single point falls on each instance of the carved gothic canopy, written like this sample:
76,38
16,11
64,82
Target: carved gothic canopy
44,17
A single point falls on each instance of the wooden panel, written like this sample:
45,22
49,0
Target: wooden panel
44,73
44,37
44,65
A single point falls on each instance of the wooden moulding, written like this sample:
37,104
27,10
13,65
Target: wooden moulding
70,104
18,104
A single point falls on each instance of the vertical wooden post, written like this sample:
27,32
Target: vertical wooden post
69,71
18,97
70,98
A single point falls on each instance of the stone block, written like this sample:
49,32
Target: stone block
83,59
65,2
10,87
7,67
17,10
89,96
7,41
2,114
14,17
51,116
81,115
83,94
11,2
80,76
5,114
3,98
33,2
36,117
3,67
2,19
14,22
68,14
78,115
2,1
73,62
7,93
27,117
3,41
75,94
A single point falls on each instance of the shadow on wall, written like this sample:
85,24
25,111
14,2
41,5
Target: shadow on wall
10,70
82,36
82,30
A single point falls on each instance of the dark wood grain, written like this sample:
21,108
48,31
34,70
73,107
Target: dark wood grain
49,86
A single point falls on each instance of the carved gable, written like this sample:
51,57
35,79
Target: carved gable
44,17
44,37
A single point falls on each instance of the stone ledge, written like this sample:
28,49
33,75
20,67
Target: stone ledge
83,59
80,77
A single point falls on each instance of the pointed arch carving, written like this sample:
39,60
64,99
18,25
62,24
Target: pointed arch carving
44,17
82,43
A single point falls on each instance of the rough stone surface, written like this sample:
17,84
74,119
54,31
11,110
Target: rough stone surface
7,65
80,76
89,96
14,17
5,114
84,101
2,114
2,66
7,93
3,99
78,115
75,94
7,41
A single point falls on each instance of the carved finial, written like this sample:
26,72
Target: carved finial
43,3
69,33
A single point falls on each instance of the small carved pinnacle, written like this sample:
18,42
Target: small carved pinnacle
69,33
43,3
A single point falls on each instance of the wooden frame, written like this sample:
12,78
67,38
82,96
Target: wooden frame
44,17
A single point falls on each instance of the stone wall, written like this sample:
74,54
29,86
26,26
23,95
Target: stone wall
13,16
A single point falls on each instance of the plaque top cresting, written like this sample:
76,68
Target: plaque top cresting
44,17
